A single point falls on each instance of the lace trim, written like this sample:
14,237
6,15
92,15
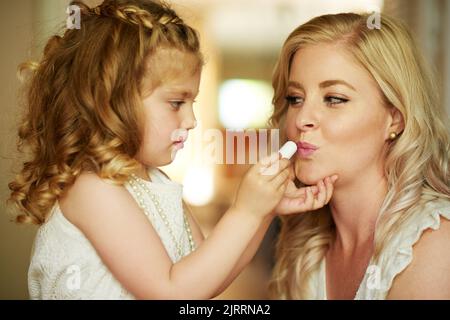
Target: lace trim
399,254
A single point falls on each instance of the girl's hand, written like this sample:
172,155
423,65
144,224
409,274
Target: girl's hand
263,186
297,200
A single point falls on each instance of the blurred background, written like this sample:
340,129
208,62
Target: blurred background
241,41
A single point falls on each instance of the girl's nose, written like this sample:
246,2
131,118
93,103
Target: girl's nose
189,121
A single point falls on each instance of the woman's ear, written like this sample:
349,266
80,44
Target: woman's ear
397,124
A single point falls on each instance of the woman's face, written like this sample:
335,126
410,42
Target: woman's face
335,106
169,115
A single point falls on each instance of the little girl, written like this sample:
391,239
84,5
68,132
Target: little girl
107,105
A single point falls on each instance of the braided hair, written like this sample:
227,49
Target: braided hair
83,106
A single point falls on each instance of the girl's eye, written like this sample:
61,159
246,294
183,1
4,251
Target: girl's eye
331,100
176,104
293,100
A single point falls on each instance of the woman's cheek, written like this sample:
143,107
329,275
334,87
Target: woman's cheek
291,129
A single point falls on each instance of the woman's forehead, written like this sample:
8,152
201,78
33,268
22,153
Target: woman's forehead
324,64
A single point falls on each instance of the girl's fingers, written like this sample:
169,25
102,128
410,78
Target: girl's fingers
275,169
280,179
263,164
266,162
291,172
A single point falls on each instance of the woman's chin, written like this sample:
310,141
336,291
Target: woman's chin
310,174
310,179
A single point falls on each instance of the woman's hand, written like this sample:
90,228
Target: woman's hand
297,200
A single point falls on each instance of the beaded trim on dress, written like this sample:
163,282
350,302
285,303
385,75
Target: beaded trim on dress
170,198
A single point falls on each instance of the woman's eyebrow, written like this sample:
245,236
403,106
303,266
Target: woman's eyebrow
296,85
329,83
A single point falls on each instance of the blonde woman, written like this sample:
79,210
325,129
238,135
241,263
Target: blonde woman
361,104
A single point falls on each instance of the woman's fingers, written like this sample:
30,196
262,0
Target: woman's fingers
329,186
325,191
309,200
321,197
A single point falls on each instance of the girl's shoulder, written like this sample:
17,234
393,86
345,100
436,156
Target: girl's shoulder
90,193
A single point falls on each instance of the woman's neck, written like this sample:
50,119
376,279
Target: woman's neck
355,207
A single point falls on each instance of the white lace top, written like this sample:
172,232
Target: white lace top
64,264
394,258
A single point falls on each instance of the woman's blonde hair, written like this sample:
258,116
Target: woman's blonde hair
84,98
417,162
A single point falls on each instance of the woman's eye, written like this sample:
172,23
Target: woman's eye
176,104
331,100
293,100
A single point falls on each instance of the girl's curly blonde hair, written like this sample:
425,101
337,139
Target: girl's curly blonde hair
84,98
417,163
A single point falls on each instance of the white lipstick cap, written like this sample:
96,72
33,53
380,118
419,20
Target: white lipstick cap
288,149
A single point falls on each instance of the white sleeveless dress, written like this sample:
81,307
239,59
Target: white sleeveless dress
394,258
64,264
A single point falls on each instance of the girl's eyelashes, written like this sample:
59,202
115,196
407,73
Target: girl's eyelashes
176,104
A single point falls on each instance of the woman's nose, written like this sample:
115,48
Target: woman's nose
306,118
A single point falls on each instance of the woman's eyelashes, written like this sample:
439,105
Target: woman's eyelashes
296,101
333,100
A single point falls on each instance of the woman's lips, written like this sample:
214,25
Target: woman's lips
305,149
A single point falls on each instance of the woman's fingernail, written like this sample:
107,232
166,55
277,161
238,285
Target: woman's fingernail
334,178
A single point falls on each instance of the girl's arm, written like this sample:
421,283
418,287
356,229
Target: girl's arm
131,249
245,258
248,254
294,200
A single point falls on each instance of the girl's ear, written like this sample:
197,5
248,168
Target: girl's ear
397,123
